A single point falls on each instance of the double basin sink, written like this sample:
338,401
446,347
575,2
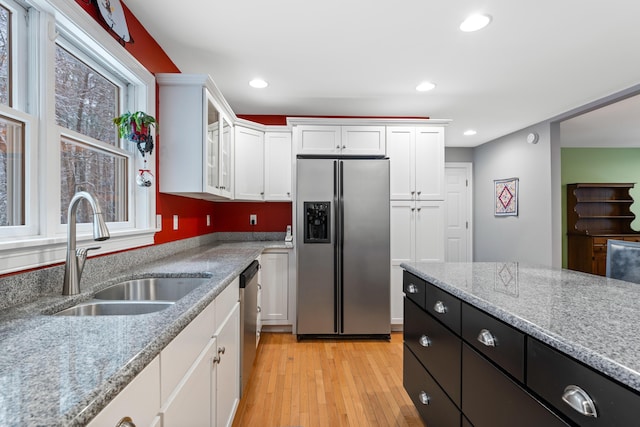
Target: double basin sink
139,296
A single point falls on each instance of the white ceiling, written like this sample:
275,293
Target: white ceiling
536,60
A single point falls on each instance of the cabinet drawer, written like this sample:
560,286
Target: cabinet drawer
414,288
496,340
549,372
492,399
432,403
437,348
443,306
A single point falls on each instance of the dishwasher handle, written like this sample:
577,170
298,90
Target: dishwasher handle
249,273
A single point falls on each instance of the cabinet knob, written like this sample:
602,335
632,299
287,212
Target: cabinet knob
424,398
126,422
288,193
262,193
487,338
580,401
221,350
337,147
259,309
344,146
216,359
419,192
412,289
439,307
425,341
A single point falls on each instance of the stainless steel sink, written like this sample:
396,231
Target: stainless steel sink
114,308
151,289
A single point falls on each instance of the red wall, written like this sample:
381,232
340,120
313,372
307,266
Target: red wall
192,213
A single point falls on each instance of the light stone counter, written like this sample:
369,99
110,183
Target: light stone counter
593,319
62,370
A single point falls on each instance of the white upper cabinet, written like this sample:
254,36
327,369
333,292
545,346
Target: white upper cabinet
277,165
196,137
262,165
417,162
340,140
249,167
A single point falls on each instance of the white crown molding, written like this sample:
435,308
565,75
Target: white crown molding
378,121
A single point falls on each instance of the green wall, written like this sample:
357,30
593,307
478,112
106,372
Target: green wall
599,165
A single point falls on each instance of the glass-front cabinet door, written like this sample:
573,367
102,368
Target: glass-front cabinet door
212,147
225,158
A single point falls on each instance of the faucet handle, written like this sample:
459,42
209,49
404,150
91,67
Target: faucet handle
82,252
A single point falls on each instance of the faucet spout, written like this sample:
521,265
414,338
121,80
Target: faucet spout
75,258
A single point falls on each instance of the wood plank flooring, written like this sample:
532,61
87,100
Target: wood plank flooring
326,383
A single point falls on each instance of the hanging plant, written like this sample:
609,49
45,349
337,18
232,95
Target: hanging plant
136,127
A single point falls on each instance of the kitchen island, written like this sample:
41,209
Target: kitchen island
63,370
517,336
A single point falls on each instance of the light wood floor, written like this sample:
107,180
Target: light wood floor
326,383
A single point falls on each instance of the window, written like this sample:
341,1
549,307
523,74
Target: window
58,96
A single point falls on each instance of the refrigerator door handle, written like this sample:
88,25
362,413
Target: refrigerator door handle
340,244
336,248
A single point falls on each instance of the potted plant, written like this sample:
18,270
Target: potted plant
136,127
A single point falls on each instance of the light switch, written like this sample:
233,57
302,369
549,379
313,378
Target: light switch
175,222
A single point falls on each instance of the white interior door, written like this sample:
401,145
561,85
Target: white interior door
458,245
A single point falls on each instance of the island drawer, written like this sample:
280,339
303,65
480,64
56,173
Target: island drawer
556,377
443,306
429,399
492,399
414,288
501,343
437,348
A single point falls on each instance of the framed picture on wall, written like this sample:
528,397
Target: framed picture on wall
506,197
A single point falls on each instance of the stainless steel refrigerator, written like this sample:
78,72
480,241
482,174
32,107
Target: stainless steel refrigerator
343,253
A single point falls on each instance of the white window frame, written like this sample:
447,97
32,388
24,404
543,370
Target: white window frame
43,241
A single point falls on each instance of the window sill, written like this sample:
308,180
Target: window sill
36,253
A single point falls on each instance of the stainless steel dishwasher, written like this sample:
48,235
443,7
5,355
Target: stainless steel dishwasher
248,321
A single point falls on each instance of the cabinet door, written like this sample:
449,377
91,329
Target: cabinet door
275,287
277,165
226,159
211,147
429,232
249,164
318,140
363,140
228,369
402,250
401,149
429,163
190,404
140,400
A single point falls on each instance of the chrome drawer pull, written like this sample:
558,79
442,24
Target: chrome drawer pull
125,422
412,289
579,401
425,341
439,307
424,398
487,338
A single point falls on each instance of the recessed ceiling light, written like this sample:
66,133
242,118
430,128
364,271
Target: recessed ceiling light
258,83
470,132
475,23
425,86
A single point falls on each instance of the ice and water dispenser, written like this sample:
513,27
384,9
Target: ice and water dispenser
317,222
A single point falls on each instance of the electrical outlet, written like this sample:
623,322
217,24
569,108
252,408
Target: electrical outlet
253,219
159,222
208,220
175,222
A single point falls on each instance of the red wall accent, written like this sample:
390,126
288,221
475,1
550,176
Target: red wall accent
234,216
272,120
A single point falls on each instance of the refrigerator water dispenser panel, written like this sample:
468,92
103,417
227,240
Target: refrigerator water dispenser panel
317,220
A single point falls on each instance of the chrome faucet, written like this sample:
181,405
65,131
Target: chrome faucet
76,258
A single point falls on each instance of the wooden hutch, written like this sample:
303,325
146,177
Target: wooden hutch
595,214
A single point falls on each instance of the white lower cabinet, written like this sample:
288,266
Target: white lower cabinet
208,392
417,235
190,402
227,381
274,274
139,401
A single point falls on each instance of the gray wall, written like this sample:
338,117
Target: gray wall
458,154
527,237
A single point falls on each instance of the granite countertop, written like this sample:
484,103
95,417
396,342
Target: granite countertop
62,370
590,318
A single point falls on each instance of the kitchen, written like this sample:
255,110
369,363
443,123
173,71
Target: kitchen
504,157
